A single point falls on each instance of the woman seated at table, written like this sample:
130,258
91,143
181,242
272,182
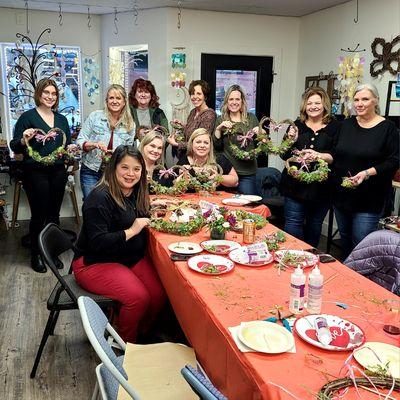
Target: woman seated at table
234,115
152,149
103,131
200,154
110,257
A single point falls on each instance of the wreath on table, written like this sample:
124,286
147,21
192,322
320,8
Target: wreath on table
305,173
262,139
71,152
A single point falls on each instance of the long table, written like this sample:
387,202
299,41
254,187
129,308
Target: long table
207,305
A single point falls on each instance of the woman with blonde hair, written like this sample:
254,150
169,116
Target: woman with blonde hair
306,204
102,132
235,128
152,149
200,154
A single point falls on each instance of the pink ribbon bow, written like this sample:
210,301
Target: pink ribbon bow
167,173
244,139
274,127
43,138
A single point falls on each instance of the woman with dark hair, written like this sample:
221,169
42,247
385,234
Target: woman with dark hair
38,134
200,117
234,115
110,257
306,204
145,107
367,154
101,133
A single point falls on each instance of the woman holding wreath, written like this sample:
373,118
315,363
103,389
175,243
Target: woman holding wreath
39,134
233,137
201,116
200,154
367,155
110,256
306,204
101,133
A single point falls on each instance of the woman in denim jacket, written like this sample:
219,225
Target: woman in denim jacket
102,132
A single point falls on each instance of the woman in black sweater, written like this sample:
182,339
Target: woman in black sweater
366,152
38,135
110,255
306,204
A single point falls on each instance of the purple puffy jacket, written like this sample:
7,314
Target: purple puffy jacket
377,257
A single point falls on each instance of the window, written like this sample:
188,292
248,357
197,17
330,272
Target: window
128,63
61,63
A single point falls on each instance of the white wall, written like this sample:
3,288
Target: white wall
324,33
73,32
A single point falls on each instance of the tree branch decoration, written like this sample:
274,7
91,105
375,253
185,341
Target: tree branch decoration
387,58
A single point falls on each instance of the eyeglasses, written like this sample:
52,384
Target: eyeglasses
46,93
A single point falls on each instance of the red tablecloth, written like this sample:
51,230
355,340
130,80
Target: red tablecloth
207,305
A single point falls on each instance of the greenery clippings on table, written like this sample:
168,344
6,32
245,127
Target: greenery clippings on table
303,174
329,390
258,219
273,239
176,228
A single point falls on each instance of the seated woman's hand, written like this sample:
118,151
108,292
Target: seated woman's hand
136,227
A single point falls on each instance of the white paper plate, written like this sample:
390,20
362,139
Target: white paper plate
235,255
265,337
346,335
198,263
185,248
235,201
219,246
310,261
251,197
367,354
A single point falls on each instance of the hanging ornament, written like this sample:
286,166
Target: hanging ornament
351,71
91,77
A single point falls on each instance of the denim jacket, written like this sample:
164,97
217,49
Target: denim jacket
97,129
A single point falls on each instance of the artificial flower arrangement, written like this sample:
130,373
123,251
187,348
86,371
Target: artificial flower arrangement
262,139
304,173
219,220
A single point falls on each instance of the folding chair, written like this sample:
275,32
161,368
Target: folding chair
53,241
111,372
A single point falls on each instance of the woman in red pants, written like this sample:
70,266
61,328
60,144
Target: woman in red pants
110,255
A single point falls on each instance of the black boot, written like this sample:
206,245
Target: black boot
37,263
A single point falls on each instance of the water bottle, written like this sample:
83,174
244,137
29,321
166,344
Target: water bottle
315,283
322,330
297,289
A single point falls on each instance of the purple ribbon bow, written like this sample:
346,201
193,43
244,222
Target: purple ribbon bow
244,139
42,138
167,172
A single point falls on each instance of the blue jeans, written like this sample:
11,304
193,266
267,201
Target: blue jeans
304,220
89,179
247,184
354,227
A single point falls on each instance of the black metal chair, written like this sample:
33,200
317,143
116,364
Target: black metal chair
53,241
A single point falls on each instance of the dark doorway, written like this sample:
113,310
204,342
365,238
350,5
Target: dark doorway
253,73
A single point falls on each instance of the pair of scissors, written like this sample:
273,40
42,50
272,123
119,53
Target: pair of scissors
280,319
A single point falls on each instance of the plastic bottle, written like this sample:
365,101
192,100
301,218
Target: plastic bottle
322,330
297,289
315,283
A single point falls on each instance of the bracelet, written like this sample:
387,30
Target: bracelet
367,174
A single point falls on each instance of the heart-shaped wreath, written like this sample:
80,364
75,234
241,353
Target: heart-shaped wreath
59,153
262,137
179,187
310,170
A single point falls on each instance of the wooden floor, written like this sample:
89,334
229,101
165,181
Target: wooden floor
66,370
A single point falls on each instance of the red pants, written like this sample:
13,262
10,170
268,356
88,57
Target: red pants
137,288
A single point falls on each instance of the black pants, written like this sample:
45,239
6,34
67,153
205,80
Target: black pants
44,187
